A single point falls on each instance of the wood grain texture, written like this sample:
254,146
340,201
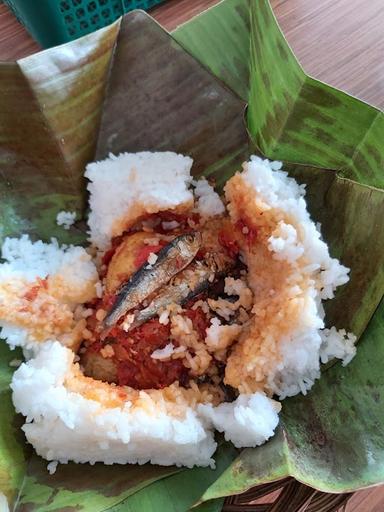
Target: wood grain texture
338,41
370,500
15,42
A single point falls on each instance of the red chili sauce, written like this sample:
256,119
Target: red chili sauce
132,350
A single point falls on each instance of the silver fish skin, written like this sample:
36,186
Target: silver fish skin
171,259
190,283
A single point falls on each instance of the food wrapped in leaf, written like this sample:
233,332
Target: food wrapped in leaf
149,93
187,313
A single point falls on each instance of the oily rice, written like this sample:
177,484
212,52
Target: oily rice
269,333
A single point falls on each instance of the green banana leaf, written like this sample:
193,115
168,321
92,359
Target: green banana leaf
132,86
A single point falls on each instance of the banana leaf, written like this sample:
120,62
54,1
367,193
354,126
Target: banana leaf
132,86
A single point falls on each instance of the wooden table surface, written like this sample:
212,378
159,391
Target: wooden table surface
340,42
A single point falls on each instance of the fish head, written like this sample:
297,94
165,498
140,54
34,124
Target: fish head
189,244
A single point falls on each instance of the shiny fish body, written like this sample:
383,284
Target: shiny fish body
171,260
190,284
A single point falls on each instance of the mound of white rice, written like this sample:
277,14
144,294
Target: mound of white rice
290,272
38,259
277,351
80,425
71,279
124,187
209,203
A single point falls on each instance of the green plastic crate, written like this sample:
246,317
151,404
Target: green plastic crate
53,22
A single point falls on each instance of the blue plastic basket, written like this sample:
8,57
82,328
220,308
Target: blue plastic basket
53,22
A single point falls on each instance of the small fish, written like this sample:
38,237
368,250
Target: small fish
190,283
171,259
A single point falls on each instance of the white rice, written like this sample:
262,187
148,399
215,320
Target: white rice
300,244
65,219
164,317
128,321
99,290
225,308
248,421
209,203
64,425
219,336
288,242
337,344
52,466
70,271
124,187
163,353
3,503
30,260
